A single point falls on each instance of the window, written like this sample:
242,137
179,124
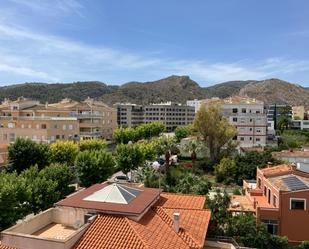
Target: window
37,126
235,110
275,200
271,225
243,110
250,138
296,203
258,139
242,139
259,183
234,119
64,127
265,190
70,127
43,126
22,126
269,195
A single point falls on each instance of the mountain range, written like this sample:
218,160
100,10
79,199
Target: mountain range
173,88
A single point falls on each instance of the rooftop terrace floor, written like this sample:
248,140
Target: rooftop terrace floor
55,231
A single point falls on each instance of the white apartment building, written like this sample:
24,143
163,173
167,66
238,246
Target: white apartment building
246,114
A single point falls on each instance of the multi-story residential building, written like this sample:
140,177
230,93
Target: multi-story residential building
274,113
195,103
111,215
29,119
96,119
279,198
129,115
48,122
298,112
248,116
300,124
170,114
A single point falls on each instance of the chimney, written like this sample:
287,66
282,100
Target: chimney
269,164
176,221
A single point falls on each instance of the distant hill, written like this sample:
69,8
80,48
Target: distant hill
55,92
276,91
173,88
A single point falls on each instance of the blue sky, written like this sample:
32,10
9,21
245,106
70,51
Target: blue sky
137,40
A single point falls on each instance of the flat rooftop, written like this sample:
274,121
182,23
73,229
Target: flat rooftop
290,182
55,231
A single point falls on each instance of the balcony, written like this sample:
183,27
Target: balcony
57,228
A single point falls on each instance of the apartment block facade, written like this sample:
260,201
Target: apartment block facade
66,120
170,114
247,115
280,201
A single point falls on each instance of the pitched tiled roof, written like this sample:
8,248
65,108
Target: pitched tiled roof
6,247
275,170
154,229
110,231
287,153
170,200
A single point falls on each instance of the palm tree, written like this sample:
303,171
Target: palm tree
192,147
165,145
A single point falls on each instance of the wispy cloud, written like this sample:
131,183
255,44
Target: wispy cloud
54,7
38,56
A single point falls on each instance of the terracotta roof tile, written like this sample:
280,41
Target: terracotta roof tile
193,223
110,231
287,153
154,229
6,247
169,200
279,169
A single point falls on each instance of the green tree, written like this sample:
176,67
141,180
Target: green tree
165,146
125,135
148,149
192,184
42,192
12,199
64,152
92,144
24,153
149,130
129,157
247,164
220,214
226,170
304,245
183,131
192,147
278,242
94,166
214,129
244,229
61,174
